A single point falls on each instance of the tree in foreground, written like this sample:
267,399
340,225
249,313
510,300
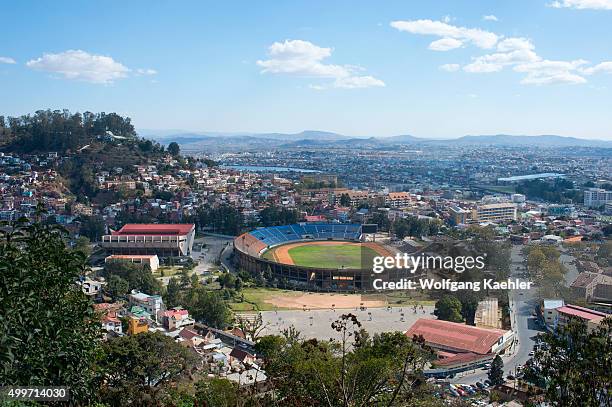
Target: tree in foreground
49,334
139,368
355,370
576,365
496,373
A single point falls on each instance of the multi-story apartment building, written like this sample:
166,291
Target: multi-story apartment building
497,212
459,215
596,197
398,199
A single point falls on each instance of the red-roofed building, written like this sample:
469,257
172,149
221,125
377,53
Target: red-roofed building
161,239
570,312
460,347
177,318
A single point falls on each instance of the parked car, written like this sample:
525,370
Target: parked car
480,385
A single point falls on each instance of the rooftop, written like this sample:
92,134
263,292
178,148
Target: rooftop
155,229
581,312
456,336
553,304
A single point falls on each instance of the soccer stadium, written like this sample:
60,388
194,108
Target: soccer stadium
311,256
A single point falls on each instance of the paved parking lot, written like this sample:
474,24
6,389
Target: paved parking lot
317,323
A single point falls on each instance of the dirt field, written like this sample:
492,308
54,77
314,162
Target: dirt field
323,301
282,253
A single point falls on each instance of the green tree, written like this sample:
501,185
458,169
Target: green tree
49,334
576,365
138,369
496,372
117,287
217,392
83,245
172,298
174,149
345,200
210,308
448,308
92,226
139,277
355,370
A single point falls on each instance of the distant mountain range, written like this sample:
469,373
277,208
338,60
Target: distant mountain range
313,139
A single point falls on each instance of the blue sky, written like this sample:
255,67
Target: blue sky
362,68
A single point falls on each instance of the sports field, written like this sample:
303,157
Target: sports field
326,254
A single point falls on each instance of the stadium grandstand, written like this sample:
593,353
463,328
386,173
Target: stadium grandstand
310,256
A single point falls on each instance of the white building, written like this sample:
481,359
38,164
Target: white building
497,212
596,197
153,304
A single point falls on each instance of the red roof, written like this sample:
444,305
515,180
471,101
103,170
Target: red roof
187,334
155,229
580,312
176,313
456,336
461,358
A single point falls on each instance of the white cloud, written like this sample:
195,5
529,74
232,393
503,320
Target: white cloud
355,82
445,44
7,60
147,71
490,17
583,4
603,67
511,51
303,58
518,53
546,72
80,65
450,67
476,36
515,44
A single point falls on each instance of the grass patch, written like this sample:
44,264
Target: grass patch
333,256
167,271
254,299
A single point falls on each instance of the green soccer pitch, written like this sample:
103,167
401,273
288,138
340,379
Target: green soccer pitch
332,256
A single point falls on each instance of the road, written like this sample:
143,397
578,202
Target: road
522,305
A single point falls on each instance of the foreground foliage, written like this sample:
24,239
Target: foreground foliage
49,334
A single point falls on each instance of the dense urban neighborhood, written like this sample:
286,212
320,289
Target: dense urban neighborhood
192,259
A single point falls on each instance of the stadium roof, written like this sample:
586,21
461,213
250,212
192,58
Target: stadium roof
456,336
155,229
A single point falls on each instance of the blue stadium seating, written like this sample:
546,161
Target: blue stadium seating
276,235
